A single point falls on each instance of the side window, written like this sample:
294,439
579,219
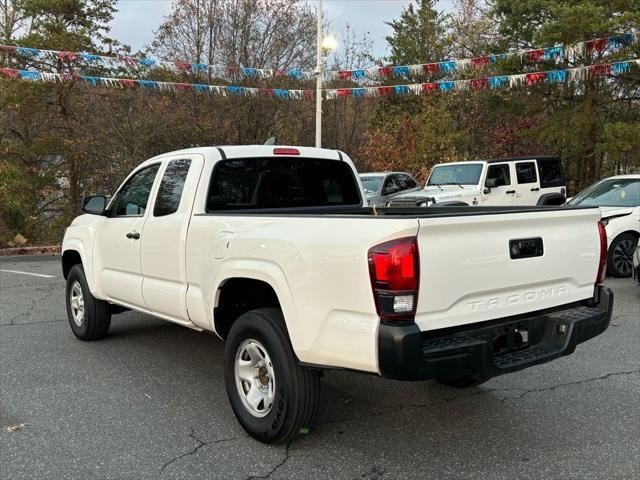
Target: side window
526,172
391,185
551,174
500,173
406,182
170,190
132,198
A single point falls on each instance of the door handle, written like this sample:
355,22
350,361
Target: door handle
510,191
133,235
535,189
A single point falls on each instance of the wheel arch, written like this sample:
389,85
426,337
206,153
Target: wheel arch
69,259
554,198
238,295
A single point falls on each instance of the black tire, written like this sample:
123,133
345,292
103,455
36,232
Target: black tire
463,382
620,255
96,317
296,393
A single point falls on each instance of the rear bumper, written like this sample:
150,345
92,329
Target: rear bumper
491,348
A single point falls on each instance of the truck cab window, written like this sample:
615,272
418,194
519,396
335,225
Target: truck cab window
500,173
256,183
170,190
132,198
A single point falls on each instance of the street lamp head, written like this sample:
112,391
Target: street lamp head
329,43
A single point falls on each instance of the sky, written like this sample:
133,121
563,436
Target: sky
136,20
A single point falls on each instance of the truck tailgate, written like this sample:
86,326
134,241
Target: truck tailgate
481,267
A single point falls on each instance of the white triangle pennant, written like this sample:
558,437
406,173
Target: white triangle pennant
416,88
464,64
517,80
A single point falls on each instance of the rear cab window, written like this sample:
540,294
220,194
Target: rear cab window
171,186
281,182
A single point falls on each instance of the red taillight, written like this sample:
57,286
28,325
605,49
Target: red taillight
286,151
602,266
394,268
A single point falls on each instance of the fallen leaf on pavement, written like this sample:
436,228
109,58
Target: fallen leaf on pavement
15,428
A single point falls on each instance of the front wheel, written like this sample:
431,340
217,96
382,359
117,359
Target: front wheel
272,396
89,317
620,255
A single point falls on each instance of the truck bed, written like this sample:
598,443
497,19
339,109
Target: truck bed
415,212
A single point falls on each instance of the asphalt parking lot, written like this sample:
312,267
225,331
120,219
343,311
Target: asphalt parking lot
149,402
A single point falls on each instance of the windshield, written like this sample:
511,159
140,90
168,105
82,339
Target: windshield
371,184
456,174
615,192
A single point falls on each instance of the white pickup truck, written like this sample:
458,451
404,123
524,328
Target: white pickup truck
273,249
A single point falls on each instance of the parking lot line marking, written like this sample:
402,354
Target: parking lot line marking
28,273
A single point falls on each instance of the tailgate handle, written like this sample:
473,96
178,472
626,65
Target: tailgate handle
526,248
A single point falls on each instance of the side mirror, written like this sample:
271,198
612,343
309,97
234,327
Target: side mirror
491,183
94,205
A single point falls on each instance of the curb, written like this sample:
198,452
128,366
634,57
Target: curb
21,251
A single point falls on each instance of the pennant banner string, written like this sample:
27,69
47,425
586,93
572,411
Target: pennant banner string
176,66
555,53
577,74
225,90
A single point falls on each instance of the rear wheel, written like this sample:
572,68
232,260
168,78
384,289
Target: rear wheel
620,255
272,396
462,382
89,317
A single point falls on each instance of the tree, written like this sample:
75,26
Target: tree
575,117
418,35
277,34
12,19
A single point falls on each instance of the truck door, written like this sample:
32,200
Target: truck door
164,284
117,245
528,184
504,193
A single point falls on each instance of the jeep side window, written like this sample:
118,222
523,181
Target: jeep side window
500,173
526,172
551,174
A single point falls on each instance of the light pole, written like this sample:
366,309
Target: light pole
324,46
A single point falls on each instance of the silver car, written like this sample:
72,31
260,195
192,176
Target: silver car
379,187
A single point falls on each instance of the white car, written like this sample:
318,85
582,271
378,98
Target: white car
619,200
500,182
274,250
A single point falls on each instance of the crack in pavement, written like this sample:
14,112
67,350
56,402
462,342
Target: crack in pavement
34,302
391,409
275,467
201,443
189,453
31,323
568,384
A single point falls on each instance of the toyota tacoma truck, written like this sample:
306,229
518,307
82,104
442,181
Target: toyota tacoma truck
274,249
495,182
